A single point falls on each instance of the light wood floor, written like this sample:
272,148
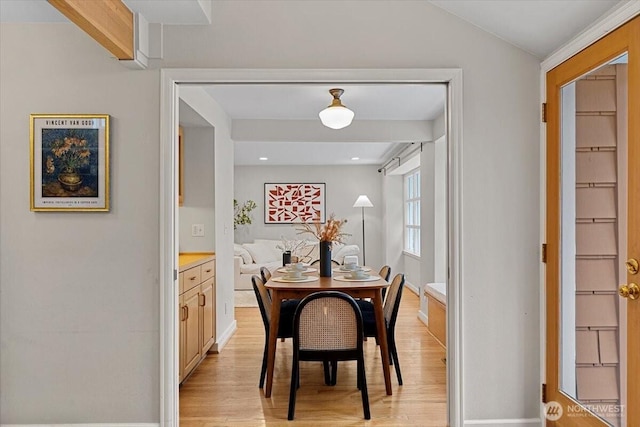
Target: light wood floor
223,391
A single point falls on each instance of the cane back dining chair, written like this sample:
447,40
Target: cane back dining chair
385,273
328,326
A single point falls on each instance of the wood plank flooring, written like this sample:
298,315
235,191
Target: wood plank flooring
223,390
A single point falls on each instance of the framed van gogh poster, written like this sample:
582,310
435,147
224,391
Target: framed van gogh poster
69,162
294,203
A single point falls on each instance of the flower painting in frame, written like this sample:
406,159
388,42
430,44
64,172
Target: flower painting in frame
69,162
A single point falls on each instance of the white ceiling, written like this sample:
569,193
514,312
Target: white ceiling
536,26
295,106
296,101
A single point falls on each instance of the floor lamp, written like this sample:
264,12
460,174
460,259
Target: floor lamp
363,202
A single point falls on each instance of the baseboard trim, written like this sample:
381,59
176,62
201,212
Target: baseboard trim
225,337
514,422
423,318
412,288
85,425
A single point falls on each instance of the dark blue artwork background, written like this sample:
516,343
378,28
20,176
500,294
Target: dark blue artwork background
89,172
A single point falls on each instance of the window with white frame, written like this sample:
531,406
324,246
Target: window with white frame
412,212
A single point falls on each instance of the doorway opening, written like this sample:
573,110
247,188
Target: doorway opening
174,84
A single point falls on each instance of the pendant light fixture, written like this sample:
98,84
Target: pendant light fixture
336,115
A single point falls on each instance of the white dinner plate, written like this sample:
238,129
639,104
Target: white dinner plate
349,279
307,270
302,279
341,270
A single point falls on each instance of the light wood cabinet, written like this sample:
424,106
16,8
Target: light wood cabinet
196,310
191,338
208,320
437,311
181,327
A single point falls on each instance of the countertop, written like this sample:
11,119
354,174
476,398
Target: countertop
191,259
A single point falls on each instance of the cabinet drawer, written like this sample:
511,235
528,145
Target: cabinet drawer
208,270
181,283
192,277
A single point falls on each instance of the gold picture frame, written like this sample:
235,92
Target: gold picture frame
69,162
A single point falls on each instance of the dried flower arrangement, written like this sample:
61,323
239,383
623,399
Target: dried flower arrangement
331,231
292,246
299,249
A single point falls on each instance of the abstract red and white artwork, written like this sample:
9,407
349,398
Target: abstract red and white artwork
294,203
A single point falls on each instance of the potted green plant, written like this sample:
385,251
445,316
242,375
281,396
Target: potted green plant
241,212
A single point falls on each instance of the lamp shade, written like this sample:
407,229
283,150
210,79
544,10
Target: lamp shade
336,115
363,202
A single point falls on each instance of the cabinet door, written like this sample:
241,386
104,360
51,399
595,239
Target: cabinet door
191,335
207,314
181,331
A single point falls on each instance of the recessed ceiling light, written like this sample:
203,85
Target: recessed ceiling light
355,158
264,158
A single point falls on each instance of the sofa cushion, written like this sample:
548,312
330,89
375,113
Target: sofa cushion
272,245
238,250
261,252
344,250
255,268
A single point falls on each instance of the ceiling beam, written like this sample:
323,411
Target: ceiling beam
109,22
312,131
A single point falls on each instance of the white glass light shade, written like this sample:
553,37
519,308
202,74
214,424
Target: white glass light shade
336,117
363,202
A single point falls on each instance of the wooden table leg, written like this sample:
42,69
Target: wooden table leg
382,340
273,339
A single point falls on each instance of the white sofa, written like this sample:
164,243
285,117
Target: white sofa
249,257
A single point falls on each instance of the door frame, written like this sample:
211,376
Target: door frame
171,78
622,15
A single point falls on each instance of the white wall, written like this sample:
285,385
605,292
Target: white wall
393,226
199,185
440,200
59,345
204,105
343,185
79,292
427,213
433,229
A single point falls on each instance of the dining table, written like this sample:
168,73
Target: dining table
282,289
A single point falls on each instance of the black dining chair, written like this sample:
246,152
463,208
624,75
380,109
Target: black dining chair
390,308
384,273
265,274
327,326
285,326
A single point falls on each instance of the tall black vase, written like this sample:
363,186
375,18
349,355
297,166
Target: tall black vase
325,259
